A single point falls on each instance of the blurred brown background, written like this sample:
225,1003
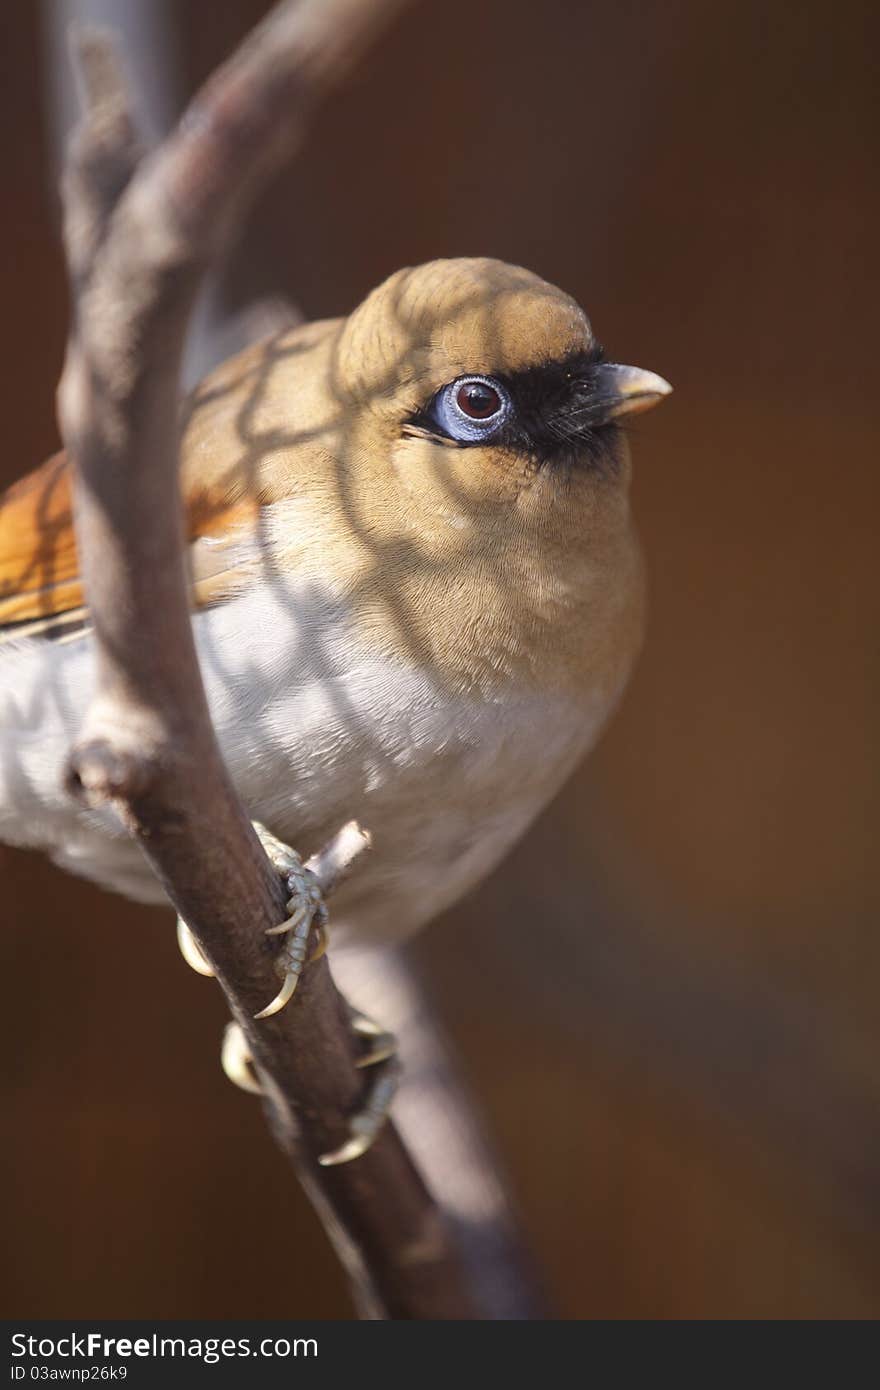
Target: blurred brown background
684,1080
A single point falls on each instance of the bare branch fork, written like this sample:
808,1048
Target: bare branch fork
140,232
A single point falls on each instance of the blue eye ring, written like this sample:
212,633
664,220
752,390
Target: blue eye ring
458,408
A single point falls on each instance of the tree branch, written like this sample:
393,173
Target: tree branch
140,234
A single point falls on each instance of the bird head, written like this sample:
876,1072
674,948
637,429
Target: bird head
492,398
449,461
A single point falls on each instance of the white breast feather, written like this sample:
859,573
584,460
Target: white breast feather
314,727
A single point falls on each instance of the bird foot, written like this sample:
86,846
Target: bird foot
305,908
367,1122
380,1051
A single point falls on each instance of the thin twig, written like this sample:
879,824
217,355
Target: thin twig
139,237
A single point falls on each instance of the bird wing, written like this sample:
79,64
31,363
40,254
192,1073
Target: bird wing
39,568
235,461
40,583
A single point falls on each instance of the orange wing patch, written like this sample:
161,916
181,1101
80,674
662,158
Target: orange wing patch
39,569
39,565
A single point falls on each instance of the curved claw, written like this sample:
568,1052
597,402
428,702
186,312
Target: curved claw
281,930
236,1060
322,943
190,950
384,1047
382,1044
284,995
352,1148
297,914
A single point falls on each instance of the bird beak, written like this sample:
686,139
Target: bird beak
628,390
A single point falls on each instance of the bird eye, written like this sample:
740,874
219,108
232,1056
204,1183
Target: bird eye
478,399
471,408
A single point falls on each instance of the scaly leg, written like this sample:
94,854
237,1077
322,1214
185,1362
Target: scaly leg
305,909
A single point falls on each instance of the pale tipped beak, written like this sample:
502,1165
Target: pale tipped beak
628,390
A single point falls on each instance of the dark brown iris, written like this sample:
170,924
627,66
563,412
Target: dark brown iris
478,400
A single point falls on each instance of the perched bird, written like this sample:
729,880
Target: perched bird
416,583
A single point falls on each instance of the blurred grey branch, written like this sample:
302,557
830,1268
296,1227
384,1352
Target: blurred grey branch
140,234
147,34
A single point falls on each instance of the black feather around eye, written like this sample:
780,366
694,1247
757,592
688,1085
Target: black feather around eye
557,415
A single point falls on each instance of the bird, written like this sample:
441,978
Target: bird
417,588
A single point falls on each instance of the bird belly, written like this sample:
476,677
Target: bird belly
444,779
316,726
